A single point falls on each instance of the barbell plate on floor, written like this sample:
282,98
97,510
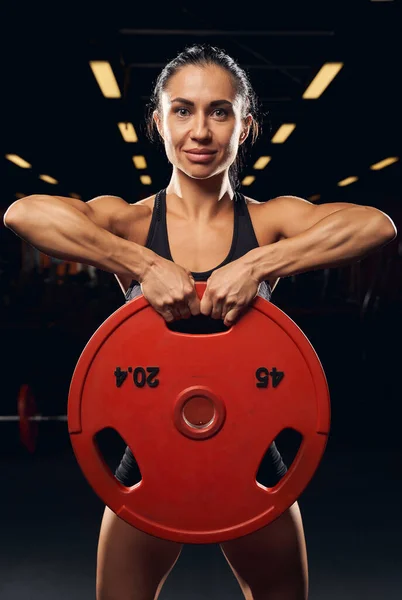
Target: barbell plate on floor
198,483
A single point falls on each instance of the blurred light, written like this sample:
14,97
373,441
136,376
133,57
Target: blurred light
128,132
48,179
146,180
19,195
18,161
139,162
105,77
283,133
74,195
384,163
262,162
347,181
248,180
314,197
322,80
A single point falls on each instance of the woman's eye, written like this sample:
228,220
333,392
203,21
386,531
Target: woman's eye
223,111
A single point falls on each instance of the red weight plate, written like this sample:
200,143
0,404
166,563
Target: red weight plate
26,407
198,479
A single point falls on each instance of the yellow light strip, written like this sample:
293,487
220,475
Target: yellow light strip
283,133
322,80
384,163
48,179
347,181
128,132
140,162
146,180
105,77
248,180
262,162
17,160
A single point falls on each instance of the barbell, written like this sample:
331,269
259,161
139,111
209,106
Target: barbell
28,417
198,412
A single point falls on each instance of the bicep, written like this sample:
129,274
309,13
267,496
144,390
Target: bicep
293,215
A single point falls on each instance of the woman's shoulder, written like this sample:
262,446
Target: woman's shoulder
251,200
139,221
149,202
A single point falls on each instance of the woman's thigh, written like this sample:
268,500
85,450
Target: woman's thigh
271,563
131,564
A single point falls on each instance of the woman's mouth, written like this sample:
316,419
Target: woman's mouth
196,157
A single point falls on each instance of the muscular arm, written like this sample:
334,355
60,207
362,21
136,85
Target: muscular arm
87,232
314,237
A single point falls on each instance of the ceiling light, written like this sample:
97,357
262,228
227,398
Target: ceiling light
384,163
139,162
347,181
105,77
48,179
248,180
283,133
18,161
262,162
322,80
128,132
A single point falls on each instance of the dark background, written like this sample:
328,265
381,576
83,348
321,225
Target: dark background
55,117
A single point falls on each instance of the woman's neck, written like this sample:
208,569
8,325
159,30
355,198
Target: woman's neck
199,199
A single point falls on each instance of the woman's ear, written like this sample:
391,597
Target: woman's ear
157,120
246,128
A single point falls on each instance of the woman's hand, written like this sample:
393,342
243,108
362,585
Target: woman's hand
229,292
170,290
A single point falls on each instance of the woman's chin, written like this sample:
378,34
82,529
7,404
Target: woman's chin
201,171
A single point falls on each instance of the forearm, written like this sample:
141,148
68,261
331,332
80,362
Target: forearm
60,230
342,237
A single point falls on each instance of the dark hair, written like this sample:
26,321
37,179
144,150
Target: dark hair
203,55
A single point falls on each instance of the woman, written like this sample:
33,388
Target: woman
204,110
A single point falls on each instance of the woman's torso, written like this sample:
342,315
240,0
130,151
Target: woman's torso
200,248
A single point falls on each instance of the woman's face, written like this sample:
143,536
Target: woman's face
201,111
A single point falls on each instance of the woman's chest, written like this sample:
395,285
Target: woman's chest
201,248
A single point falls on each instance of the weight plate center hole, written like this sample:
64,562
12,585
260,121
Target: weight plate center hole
198,412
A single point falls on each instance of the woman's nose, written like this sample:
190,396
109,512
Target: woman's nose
200,129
